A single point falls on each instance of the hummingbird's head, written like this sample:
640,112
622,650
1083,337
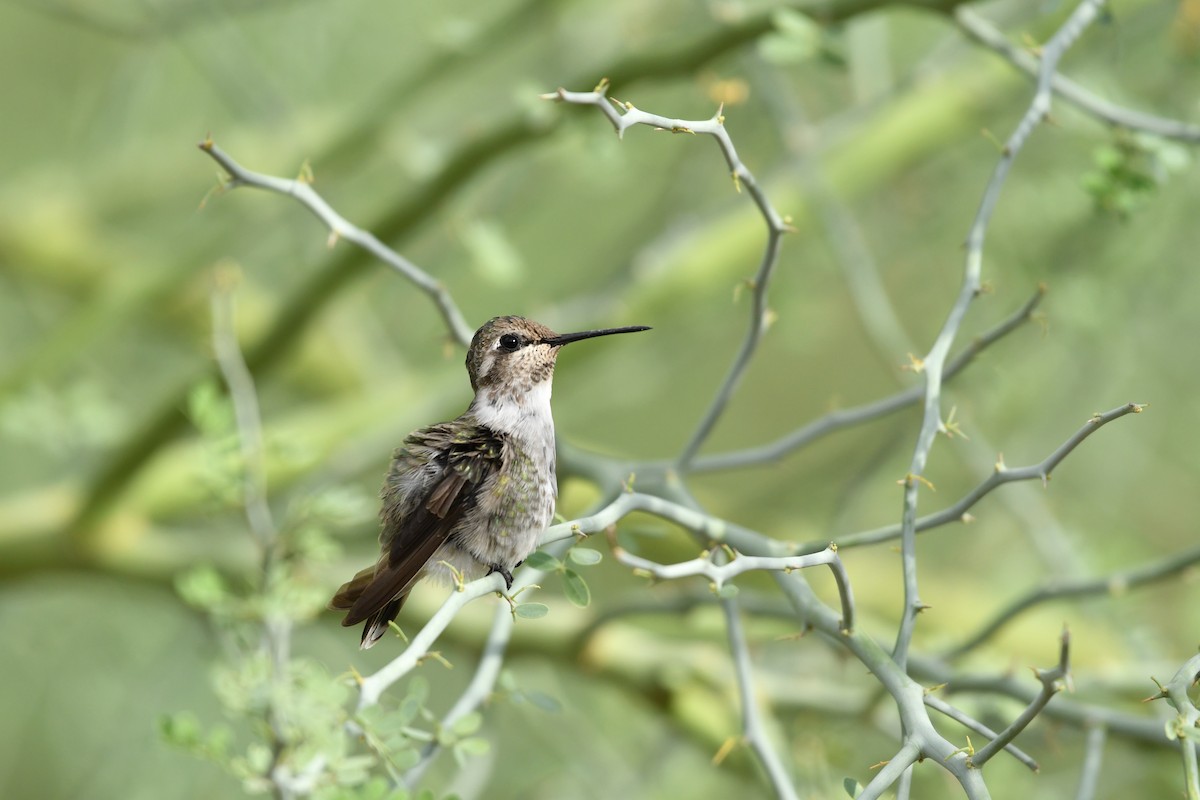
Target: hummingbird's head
519,353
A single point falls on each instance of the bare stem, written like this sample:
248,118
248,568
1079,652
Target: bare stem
1053,681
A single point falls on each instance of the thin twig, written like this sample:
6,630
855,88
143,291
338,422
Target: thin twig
1093,757
1002,475
859,415
891,771
1115,583
340,228
276,627
1053,681
967,721
487,671
713,530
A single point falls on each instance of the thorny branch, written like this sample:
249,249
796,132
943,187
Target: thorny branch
625,115
933,363
340,228
986,34
1185,727
1053,681
1002,475
850,417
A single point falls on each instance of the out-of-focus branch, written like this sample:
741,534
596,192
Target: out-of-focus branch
933,363
1093,757
244,399
1053,681
1114,583
1040,471
980,30
276,628
753,730
625,115
859,415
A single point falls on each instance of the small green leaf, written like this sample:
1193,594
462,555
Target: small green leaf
728,591
852,787
202,587
543,561
210,410
576,588
584,556
405,759
531,610
467,724
181,729
475,746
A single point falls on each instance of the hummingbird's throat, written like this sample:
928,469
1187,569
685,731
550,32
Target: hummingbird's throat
520,411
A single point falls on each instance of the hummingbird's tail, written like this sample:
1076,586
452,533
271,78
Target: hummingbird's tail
377,623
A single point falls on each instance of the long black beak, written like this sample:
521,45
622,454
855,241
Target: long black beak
567,338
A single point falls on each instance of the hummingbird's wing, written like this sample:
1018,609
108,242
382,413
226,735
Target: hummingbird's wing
424,500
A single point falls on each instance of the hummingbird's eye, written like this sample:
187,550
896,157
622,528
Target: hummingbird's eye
510,342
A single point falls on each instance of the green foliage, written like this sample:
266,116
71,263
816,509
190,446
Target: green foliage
507,684
797,39
575,588
1128,171
531,610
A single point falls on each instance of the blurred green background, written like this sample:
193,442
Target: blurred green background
421,123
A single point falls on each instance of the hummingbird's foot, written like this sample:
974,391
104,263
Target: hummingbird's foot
508,579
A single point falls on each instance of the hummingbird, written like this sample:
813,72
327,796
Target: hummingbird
471,496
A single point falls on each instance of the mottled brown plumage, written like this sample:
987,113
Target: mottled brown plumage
473,494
